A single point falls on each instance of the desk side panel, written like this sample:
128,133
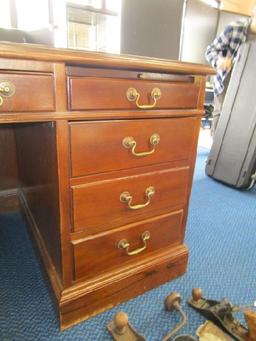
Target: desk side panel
8,170
37,167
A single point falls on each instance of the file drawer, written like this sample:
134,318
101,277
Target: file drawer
127,244
117,144
26,92
92,93
103,205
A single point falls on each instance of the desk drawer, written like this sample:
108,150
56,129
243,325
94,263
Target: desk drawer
103,252
103,205
100,146
89,93
28,92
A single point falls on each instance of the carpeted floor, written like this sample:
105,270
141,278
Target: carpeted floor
221,238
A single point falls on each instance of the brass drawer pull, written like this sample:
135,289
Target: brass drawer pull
124,244
130,143
133,96
7,89
126,197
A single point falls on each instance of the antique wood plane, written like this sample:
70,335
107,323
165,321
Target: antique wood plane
122,330
221,313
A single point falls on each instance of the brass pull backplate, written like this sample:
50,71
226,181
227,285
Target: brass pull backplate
7,89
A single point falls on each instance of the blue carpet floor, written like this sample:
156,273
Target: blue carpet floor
222,241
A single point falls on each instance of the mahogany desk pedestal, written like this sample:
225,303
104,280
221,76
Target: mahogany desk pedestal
105,152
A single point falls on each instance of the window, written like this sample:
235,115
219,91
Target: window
24,14
84,24
212,3
31,14
94,28
93,3
5,15
113,5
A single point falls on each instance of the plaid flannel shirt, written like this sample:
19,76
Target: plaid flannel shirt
226,45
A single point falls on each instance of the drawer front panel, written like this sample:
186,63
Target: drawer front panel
103,143
88,93
104,252
102,205
31,92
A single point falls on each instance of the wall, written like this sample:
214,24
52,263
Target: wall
227,17
151,27
200,27
243,7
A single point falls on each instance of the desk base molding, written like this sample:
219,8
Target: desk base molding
9,201
81,302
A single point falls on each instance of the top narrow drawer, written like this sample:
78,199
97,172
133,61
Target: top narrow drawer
91,93
27,92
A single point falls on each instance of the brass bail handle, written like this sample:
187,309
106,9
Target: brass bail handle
126,197
133,96
124,244
130,143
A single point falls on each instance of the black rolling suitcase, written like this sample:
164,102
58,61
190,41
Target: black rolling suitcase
232,158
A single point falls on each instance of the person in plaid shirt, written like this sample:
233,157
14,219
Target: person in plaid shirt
222,55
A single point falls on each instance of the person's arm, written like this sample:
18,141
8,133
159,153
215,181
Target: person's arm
217,51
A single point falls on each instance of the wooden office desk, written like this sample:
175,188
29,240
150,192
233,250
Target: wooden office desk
102,150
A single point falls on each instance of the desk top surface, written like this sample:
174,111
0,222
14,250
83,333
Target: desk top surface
78,57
